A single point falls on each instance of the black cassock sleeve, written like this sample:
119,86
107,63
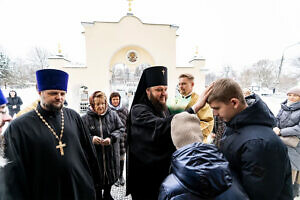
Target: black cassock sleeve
14,172
150,134
143,117
90,152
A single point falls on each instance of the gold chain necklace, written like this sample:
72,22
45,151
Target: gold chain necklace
60,144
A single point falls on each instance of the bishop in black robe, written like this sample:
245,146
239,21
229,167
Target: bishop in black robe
36,168
150,146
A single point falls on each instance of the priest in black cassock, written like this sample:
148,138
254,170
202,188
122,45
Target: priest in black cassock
149,134
49,150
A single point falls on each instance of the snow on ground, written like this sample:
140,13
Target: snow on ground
28,95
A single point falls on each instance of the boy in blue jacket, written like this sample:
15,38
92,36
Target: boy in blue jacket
198,171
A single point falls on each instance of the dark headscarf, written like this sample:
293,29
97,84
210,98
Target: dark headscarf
14,92
114,94
96,94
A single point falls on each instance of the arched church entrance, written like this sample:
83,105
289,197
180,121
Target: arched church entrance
126,68
125,81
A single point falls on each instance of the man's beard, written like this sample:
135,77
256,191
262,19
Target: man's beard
51,107
159,107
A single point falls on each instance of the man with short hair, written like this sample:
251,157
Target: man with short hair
149,135
49,149
188,98
254,152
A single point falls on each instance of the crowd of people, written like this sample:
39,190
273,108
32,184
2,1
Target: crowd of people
224,143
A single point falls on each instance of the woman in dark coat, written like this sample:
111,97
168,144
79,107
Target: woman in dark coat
105,128
14,103
115,104
288,127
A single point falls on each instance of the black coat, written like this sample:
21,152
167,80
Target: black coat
150,149
200,171
108,156
36,169
123,114
257,154
14,101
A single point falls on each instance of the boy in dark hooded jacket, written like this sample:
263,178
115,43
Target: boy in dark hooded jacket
254,152
199,171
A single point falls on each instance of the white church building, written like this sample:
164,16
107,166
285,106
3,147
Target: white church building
116,54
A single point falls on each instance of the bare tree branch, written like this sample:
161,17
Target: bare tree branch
38,57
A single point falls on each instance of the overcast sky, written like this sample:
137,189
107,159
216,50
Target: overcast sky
228,32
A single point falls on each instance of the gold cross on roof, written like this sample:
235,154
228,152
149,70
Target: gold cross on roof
197,50
129,4
59,48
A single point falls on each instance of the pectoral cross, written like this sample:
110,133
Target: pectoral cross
163,71
61,146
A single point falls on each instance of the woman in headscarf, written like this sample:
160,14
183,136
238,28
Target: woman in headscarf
105,129
288,128
115,104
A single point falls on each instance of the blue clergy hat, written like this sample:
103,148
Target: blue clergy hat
2,98
52,79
